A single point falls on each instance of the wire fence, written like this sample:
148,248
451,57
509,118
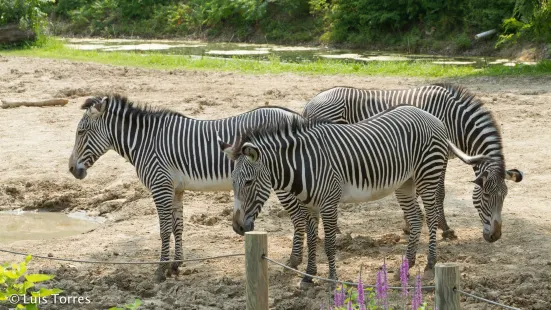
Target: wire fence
485,300
432,287
122,263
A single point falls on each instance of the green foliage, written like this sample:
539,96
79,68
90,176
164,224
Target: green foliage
137,303
11,284
28,14
531,21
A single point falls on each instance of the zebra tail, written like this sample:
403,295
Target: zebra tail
470,160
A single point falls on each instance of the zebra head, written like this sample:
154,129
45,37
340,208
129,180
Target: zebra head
251,184
92,139
488,196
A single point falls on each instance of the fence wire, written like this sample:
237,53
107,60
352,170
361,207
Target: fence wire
485,300
337,281
122,263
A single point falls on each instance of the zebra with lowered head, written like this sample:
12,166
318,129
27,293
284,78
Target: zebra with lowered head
468,123
171,153
403,150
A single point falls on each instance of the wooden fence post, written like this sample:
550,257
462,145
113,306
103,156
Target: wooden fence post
256,244
446,279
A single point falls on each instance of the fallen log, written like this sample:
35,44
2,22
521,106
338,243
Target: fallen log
12,34
32,103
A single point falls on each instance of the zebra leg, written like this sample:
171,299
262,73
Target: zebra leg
312,242
447,233
407,198
299,218
177,229
433,208
163,197
329,217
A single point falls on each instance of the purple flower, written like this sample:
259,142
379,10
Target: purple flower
379,286
338,299
349,305
404,268
417,299
361,297
382,286
385,286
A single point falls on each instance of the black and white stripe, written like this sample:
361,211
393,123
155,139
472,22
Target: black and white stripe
469,126
403,150
171,153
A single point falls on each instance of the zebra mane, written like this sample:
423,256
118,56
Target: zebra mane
126,104
146,109
463,95
292,126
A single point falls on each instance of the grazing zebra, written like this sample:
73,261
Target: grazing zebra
403,150
469,126
171,153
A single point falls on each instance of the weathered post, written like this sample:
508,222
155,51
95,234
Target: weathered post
446,280
256,244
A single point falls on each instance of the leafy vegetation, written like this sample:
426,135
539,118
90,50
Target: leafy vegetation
402,24
29,14
53,48
15,284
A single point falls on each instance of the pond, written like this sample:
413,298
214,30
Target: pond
19,225
295,54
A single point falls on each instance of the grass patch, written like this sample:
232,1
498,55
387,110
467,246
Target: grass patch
52,48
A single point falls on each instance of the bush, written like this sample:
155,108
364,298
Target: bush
29,14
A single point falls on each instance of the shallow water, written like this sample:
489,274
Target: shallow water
296,54
44,225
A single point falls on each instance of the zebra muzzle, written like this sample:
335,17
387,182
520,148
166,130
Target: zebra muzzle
78,171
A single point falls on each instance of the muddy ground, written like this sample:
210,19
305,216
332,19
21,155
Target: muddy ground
35,144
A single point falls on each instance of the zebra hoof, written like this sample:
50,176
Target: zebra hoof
304,285
449,234
174,269
396,275
294,261
428,274
160,274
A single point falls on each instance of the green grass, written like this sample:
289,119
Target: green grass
52,48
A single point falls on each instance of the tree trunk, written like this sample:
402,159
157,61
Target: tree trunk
12,34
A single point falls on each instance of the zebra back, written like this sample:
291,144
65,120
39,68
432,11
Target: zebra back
469,124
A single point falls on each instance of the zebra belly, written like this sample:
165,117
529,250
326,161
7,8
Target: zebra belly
184,182
353,194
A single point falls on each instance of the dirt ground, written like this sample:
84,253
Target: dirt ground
35,144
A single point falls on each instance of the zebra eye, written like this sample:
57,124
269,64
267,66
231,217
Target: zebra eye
248,182
81,131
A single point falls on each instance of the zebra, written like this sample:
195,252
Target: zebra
402,150
469,126
171,153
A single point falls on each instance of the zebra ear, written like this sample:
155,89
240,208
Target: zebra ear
226,148
98,107
251,151
514,175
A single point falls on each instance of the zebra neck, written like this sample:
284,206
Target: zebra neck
133,134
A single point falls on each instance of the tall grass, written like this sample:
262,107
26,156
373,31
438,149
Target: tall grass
53,48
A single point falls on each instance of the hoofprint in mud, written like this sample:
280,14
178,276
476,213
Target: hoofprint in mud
36,142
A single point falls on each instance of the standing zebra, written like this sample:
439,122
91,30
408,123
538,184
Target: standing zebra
469,126
403,150
171,153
